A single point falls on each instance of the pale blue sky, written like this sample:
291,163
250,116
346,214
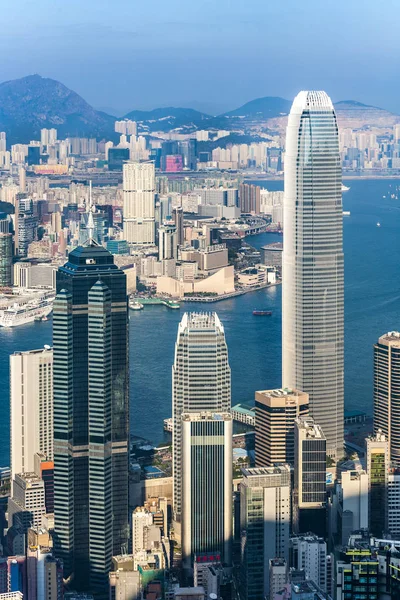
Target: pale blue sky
209,54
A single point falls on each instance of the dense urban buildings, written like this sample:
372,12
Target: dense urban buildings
387,391
312,294
90,416
201,381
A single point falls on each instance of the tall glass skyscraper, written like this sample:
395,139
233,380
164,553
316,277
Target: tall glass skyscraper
201,381
90,335
312,317
207,486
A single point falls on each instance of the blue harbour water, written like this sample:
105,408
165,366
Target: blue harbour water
372,307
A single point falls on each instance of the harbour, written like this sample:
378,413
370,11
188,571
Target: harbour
372,296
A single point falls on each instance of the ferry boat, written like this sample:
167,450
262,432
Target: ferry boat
262,313
172,304
135,305
20,314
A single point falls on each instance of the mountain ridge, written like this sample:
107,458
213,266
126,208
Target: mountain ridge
33,102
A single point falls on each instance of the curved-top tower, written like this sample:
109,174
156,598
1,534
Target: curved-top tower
312,313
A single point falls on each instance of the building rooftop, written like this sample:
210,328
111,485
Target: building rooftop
311,429
244,409
391,338
207,416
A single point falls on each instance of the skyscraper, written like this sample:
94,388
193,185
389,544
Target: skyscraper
139,203
387,391
6,258
276,411
201,381
312,317
177,215
207,485
31,408
377,454
90,334
309,477
265,526
167,244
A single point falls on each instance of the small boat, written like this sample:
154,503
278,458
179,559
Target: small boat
174,305
345,188
378,224
44,318
135,305
262,313
346,213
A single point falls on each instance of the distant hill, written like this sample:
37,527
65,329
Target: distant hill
355,115
164,119
262,108
31,103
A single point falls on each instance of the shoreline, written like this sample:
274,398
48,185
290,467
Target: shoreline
230,295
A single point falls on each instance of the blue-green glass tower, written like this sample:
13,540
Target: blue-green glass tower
91,416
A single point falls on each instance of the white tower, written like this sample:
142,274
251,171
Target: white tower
312,313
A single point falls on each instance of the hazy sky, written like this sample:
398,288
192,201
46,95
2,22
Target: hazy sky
209,54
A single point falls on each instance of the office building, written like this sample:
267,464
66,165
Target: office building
309,494
139,203
201,381
312,307
44,574
387,391
353,503
33,157
309,553
357,575
276,411
27,506
206,485
116,158
6,259
124,581
377,455
393,501
265,526
142,519
31,408
278,575
167,242
26,224
177,216
91,418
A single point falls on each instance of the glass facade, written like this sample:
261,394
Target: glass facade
207,485
312,317
387,391
90,336
201,380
